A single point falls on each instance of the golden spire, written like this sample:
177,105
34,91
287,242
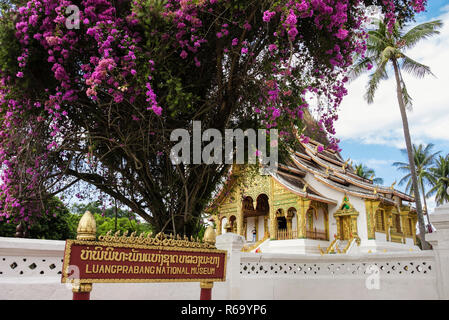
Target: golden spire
392,185
209,235
304,189
345,164
87,228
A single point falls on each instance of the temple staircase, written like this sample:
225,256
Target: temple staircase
340,246
250,246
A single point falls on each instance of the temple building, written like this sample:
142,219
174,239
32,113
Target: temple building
314,204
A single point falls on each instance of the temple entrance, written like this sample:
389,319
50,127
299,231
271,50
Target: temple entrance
346,218
345,228
255,217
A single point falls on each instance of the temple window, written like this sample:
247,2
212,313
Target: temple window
233,224
262,206
248,204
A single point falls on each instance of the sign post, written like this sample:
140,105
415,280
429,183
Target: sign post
87,231
127,259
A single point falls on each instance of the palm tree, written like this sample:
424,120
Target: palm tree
424,159
367,173
440,180
384,48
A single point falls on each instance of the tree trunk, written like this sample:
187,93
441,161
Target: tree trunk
408,143
425,203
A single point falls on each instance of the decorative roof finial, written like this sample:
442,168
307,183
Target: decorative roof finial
392,185
345,164
304,189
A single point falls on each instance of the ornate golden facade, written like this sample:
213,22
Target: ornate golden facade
315,196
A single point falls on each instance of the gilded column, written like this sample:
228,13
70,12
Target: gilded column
387,219
404,221
371,208
404,217
239,218
289,225
326,222
218,224
303,205
354,230
272,211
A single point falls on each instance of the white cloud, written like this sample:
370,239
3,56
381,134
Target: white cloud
380,122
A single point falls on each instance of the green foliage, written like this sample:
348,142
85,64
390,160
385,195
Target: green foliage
439,180
57,224
105,224
367,173
96,208
60,224
424,160
384,47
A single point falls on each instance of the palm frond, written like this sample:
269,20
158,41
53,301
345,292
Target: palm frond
407,98
360,67
414,67
375,78
404,179
421,31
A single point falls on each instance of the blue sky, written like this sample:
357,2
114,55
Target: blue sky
372,134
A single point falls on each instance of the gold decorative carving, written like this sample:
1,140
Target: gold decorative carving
347,224
159,240
371,208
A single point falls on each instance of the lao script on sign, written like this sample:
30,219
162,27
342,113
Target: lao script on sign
117,262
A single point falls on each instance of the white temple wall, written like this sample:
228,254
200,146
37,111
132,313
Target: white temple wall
411,275
223,225
30,269
319,224
294,223
249,228
409,241
261,230
358,203
380,236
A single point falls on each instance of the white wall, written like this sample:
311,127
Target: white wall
30,269
338,276
411,275
223,225
380,236
260,233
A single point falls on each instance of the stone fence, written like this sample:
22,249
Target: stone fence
31,269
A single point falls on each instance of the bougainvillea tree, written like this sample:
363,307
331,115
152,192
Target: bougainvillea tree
93,100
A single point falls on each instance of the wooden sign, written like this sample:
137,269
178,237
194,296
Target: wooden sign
100,261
